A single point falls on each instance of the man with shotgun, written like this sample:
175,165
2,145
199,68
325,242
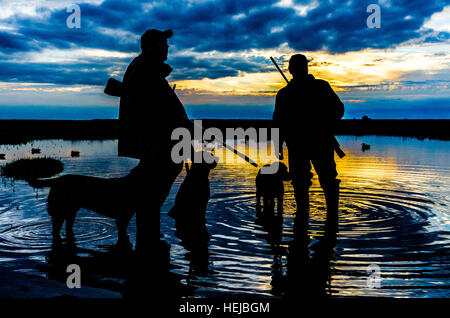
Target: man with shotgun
149,112
306,111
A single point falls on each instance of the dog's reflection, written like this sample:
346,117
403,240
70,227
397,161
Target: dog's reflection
272,224
107,269
116,268
270,187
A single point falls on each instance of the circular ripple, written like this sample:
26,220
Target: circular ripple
37,236
387,227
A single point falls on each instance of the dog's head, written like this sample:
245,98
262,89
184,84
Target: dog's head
278,169
283,172
204,161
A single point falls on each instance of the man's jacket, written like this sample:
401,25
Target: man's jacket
149,109
306,111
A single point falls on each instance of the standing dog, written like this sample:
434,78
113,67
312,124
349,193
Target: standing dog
270,186
115,198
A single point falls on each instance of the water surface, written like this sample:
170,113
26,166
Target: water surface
394,214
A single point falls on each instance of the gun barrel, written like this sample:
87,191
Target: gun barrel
279,69
234,150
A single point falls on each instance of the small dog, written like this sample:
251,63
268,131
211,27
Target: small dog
192,198
115,198
270,186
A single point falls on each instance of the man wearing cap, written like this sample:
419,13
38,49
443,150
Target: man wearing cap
306,111
149,111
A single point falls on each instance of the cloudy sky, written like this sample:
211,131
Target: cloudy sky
220,53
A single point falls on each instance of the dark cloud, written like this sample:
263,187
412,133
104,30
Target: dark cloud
85,74
190,67
97,72
224,26
338,27
55,33
11,43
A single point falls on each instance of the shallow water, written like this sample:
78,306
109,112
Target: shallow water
394,214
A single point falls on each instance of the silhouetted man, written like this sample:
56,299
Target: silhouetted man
306,110
149,111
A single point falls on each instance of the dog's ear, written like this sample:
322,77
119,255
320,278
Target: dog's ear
209,158
209,147
286,174
216,160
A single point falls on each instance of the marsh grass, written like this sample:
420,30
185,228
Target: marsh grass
23,169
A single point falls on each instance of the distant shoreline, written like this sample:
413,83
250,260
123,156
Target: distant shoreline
21,131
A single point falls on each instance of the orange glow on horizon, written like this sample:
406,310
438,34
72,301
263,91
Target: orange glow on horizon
367,69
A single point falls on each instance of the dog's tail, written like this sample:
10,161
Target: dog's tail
41,183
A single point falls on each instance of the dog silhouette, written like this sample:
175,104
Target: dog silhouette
110,197
270,186
192,199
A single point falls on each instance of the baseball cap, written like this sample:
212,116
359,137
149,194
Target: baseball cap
298,59
154,36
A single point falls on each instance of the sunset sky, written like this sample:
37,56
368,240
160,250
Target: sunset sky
220,53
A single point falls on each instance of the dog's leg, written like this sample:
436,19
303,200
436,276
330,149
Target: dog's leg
57,222
258,202
70,220
268,206
272,204
122,235
121,230
280,204
280,200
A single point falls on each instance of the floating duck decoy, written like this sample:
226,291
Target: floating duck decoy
75,153
2,156
365,146
35,151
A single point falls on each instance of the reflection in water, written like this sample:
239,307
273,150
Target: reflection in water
107,269
393,213
195,241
